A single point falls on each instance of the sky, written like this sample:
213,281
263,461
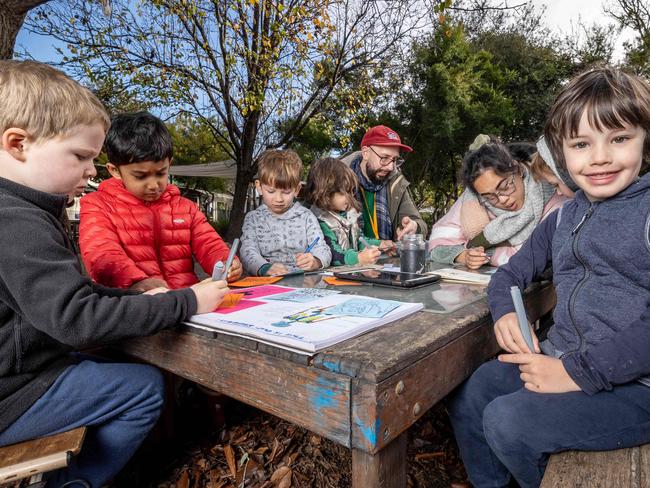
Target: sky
563,17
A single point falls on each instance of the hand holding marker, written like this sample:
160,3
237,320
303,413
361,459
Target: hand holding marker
515,293
311,246
220,271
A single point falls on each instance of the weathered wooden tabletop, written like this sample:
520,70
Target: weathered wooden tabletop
363,393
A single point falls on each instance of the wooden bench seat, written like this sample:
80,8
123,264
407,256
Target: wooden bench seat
622,468
36,456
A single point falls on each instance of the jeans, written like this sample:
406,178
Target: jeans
119,403
504,430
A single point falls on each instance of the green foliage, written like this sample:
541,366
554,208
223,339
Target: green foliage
535,73
456,94
194,144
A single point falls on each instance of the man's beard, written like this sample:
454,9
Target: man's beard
372,175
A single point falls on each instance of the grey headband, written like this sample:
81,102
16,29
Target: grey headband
545,152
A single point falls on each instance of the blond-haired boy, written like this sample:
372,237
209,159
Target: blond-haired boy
52,128
281,235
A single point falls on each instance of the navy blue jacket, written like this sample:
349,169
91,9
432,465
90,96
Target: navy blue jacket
600,253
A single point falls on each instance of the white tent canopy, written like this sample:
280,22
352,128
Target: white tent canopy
223,169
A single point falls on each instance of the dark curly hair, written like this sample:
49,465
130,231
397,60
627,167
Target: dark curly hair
492,155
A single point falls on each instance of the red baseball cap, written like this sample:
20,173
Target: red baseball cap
380,135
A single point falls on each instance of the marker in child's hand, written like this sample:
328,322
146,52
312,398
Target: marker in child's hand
311,246
515,293
365,242
217,271
220,270
231,256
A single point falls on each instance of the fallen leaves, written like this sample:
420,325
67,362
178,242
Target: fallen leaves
263,451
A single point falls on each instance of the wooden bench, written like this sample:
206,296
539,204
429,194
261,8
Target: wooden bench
35,457
622,468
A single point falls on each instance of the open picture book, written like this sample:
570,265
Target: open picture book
302,319
455,275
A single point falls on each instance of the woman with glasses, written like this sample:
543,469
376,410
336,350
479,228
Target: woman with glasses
501,205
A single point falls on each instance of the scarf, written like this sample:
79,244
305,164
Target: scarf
384,225
514,227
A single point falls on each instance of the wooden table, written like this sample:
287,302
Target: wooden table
363,393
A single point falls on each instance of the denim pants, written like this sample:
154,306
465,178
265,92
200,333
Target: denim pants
504,430
119,403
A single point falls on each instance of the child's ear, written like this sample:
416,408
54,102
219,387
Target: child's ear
114,171
13,142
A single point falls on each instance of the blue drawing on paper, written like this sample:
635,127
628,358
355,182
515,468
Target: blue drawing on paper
303,295
309,316
364,307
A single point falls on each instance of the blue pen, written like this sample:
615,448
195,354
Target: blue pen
313,243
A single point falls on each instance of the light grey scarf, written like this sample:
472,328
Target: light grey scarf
516,227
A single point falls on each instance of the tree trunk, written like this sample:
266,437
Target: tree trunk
12,16
238,211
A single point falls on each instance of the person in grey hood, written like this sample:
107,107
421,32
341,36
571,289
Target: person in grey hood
587,386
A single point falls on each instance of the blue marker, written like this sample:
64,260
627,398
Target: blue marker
313,243
515,293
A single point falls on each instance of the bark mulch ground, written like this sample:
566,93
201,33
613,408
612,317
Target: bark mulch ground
256,450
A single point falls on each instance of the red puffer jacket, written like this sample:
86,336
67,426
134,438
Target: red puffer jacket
124,239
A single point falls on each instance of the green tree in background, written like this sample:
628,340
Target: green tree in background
239,66
455,93
194,144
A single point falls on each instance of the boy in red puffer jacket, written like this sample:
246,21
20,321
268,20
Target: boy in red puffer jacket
137,231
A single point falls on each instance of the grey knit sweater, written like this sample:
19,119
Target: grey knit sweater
271,238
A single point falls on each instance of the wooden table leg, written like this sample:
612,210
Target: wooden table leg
386,469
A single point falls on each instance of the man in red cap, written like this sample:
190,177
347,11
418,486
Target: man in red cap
388,210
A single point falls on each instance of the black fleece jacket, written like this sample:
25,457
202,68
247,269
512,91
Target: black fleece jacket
48,308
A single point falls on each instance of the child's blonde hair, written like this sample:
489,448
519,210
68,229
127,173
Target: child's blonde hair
44,101
280,169
538,168
611,99
327,177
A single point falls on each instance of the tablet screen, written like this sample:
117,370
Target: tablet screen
391,278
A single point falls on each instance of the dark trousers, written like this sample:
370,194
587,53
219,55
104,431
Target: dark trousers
504,430
119,403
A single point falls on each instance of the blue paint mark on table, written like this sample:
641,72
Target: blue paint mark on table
323,395
369,432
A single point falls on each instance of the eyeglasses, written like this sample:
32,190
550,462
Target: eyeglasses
505,189
387,160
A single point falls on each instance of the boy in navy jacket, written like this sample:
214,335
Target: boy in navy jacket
586,387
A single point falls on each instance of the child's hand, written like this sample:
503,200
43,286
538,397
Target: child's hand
509,335
542,374
473,258
307,261
149,284
369,255
389,247
209,294
277,269
235,270
408,227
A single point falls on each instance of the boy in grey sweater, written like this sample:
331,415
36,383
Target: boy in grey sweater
281,235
